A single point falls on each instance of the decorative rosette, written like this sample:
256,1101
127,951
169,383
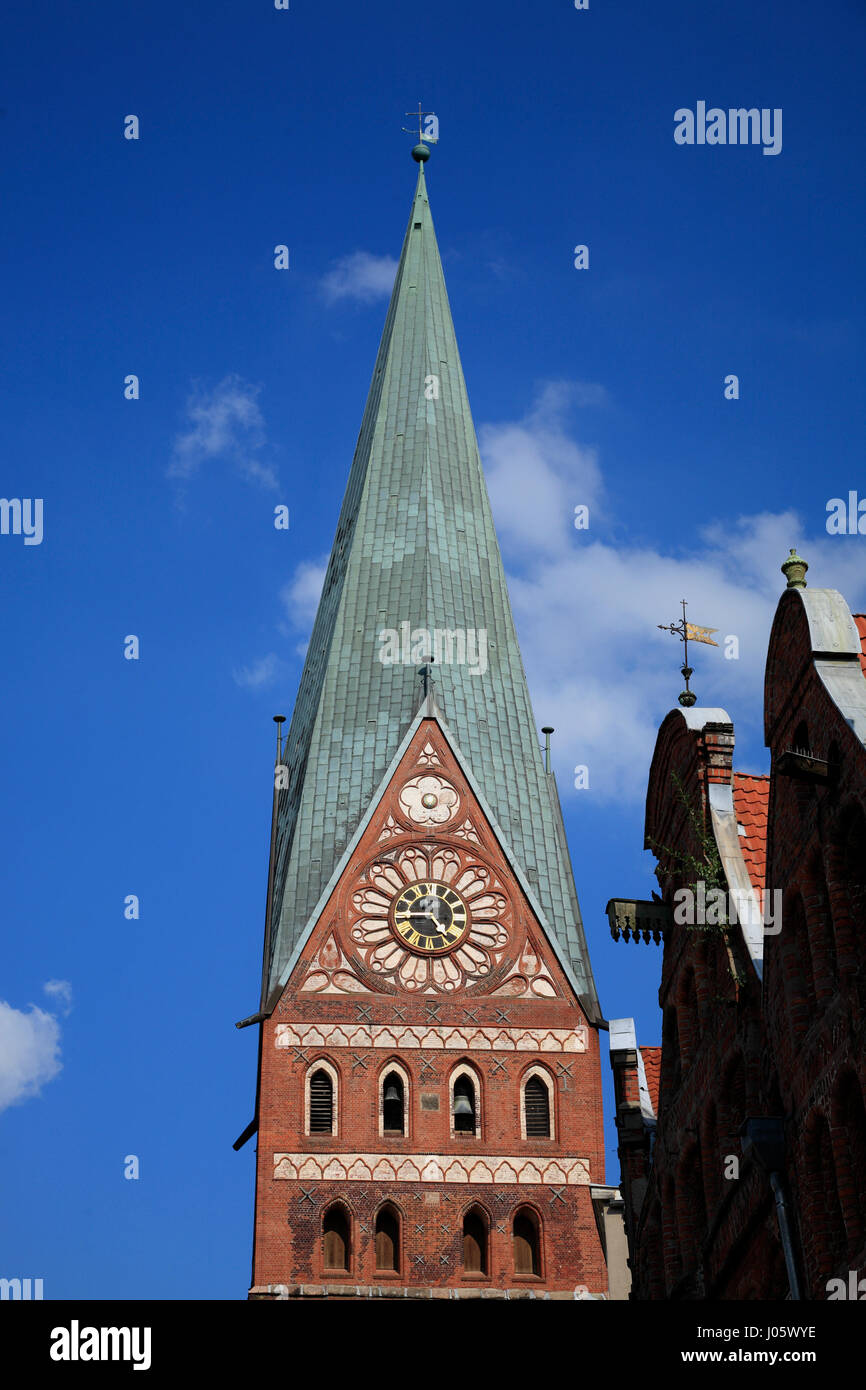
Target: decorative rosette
429,800
383,953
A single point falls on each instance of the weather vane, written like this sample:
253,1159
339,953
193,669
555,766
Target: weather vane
419,116
685,631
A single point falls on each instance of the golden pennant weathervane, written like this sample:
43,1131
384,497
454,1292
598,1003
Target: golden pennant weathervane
689,632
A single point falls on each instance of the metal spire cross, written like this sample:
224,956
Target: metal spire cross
419,116
685,630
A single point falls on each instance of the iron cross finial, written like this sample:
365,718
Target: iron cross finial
419,115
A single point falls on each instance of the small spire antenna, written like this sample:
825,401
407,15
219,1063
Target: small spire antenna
547,730
426,674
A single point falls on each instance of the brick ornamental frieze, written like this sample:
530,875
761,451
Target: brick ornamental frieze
445,1037
380,1167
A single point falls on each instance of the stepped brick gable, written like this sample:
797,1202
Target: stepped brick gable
744,1177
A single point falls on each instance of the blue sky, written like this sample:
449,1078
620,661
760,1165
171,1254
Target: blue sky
604,386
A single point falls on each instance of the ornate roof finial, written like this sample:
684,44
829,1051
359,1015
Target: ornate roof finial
685,630
794,570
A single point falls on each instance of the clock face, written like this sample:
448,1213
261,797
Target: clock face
430,917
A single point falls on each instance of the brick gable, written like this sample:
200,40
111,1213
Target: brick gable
498,1007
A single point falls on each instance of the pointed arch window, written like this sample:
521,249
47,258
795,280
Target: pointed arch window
387,1241
797,967
321,1099
394,1085
850,1115
464,1107
336,1239
826,1217
474,1242
854,862
537,1106
526,1238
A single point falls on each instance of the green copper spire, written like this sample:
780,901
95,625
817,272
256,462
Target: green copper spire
415,550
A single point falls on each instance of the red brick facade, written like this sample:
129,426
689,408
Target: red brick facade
815,977
774,1027
497,1009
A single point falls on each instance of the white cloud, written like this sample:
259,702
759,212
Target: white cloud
301,595
61,990
587,610
536,474
29,1052
360,276
300,598
259,674
224,423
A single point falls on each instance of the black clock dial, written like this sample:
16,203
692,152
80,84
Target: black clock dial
430,917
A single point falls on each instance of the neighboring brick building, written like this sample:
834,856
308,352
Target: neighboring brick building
429,1110
758,1024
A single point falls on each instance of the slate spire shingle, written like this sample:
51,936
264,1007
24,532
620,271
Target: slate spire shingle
415,543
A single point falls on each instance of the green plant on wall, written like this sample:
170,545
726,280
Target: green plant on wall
695,869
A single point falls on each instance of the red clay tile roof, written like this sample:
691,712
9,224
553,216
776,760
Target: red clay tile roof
751,795
860,620
652,1065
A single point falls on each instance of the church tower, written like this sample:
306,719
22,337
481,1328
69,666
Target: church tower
429,1095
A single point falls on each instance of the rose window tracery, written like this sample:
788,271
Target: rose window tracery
407,909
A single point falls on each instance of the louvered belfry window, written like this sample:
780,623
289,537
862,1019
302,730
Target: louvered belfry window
321,1103
537,1109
